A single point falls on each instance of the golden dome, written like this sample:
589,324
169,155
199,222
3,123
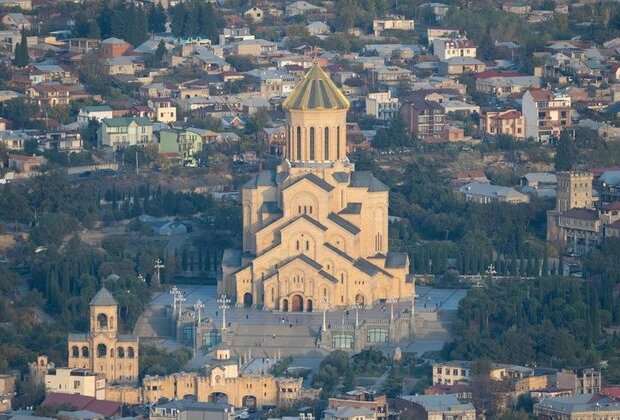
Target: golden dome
316,91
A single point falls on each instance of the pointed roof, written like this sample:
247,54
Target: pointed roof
316,91
103,298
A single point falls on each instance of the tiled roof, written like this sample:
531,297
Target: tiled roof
365,179
612,206
584,214
316,91
81,402
343,223
352,208
125,121
396,260
270,207
316,180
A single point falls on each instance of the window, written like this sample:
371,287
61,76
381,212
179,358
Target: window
342,341
130,352
326,146
120,353
338,142
438,370
298,143
307,246
377,335
75,352
85,351
76,384
102,350
102,320
311,143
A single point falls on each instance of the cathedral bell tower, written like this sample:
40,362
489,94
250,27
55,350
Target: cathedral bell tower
316,114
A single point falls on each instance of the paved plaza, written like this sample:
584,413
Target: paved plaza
429,299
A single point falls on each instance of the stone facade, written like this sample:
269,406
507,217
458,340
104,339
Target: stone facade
315,231
103,349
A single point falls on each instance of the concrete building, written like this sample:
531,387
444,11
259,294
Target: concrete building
425,119
546,114
434,407
446,49
7,390
114,47
540,184
103,350
121,132
510,123
165,109
95,112
360,398
485,193
502,85
382,106
578,407
457,371
315,232
440,33
349,413
191,410
75,381
392,23
461,65
389,75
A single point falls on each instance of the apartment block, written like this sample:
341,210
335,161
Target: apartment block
546,114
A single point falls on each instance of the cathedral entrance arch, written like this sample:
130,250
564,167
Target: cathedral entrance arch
297,303
284,305
309,305
247,300
359,299
218,397
249,402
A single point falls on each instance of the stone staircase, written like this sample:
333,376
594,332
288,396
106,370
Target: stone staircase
288,341
153,323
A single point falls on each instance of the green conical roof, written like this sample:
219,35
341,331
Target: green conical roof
316,91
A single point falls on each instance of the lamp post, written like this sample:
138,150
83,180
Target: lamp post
357,320
175,292
224,304
391,302
199,306
158,266
325,305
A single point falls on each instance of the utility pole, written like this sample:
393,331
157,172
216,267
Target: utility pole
137,164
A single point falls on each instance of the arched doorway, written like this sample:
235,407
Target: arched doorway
297,303
359,300
218,397
247,300
309,305
284,305
249,402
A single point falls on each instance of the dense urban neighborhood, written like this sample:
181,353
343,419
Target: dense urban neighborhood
325,209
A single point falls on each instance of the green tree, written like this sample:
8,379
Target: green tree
160,51
21,51
157,19
565,153
393,385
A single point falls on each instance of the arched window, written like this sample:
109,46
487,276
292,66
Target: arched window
130,352
75,351
85,351
120,353
338,142
289,142
326,136
102,320
311,143
112,352
102,350
298,143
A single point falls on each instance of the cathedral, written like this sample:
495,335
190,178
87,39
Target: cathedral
315,230
103,349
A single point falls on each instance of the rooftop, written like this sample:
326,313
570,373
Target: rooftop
103,298
316,91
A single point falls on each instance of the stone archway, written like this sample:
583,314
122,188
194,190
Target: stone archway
297,303
249,402
359,299
284,305
218,397
247,300
309,305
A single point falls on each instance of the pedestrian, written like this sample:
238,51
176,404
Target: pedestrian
215,313
274,336
247,316
296,320
291,325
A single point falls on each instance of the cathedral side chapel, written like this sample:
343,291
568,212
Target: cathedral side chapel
315,231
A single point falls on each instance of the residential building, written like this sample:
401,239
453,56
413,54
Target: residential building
255,14
189,410
254,47
510,123
348,413
485,193
578,407
462,391
17,21
114,47
318,28
61,141
83,45
425,119
273,83
22,4
546,114
382,106
121,132
460,65
505,84
123,65
7,390
25,163
50,94
308,240
181,144
103,350
361,398
539,184
165,110
457,371
275,140
100,408
95,112
75,381
451,48
301,8
440,33
230,35
389,75
392,23
434,407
